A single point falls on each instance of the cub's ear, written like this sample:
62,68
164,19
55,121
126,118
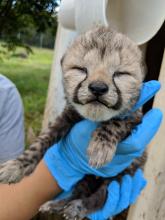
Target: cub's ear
62,59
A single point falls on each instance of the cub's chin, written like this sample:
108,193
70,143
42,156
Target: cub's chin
95,112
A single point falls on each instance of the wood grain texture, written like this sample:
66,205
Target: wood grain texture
151,204
55,99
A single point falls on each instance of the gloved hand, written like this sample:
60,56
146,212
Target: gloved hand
120,196
68,161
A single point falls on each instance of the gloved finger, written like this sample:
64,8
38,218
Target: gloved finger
138,184
142,134
125,194
83,131
149,89
110,204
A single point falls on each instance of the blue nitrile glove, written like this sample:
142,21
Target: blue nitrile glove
120,196
68,161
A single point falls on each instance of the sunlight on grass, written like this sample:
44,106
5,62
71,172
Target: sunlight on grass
31,76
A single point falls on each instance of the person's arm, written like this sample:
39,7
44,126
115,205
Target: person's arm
21,201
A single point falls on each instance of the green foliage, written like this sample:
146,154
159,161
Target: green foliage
20,16
31,77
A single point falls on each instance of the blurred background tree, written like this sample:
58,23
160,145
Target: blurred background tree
28,22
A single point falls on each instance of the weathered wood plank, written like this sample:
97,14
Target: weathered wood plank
55,99
151,204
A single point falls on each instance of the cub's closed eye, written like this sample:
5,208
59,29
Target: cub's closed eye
82,69
118,74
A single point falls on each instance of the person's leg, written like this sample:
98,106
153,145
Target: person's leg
11,121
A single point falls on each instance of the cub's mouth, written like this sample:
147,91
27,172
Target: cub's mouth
97,102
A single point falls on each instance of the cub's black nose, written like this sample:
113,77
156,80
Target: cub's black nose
98,88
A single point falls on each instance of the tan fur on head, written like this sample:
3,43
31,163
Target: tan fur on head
102,55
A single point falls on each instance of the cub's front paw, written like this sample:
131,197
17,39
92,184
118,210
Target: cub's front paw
74,210
101,150
53,206
11,171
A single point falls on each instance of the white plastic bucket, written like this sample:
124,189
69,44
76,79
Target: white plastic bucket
138,19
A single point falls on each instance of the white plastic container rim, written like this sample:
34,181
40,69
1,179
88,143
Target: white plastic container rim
140,20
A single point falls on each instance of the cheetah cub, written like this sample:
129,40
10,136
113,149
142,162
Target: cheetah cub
102,75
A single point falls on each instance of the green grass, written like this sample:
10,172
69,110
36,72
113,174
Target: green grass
31,76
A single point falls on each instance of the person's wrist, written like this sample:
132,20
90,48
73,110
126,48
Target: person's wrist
45,190
61,168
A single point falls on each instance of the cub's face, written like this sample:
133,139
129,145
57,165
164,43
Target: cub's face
102,74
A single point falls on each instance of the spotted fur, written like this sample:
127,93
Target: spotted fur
102,75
